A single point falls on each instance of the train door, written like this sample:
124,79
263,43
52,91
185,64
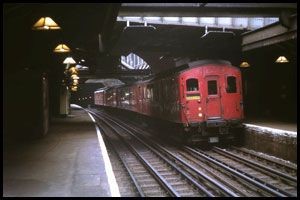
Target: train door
192,98
140,98
213,98
233,99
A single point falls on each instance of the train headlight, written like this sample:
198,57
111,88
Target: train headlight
199,108
200,115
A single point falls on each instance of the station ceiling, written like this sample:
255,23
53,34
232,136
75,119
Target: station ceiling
80,23
206,9
93,34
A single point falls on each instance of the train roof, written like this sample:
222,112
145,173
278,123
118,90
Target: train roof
184,67
198,63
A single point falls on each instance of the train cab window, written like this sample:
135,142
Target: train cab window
192,85
231,84
212,87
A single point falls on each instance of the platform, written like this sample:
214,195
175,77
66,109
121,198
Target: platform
287,126
272,137
69,161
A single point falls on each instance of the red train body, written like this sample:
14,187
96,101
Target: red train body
207,95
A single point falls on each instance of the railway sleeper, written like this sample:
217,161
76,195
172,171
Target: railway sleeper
169,176
153,187
137,167
139,171
155,163
189,194
156,194
249,170
162,168
149,188
167,172
172,179
130,158
142,176
123,179
182,187
145,181
185,190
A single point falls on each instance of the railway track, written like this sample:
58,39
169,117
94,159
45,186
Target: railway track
220,172
264,181
163,174
280,181
274,163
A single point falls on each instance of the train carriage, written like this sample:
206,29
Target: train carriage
211,96
99,97
203,97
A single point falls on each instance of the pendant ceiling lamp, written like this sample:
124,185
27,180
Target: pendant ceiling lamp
69,60
73,70
244,64
45,23
74,88
61,48
281,59
74,77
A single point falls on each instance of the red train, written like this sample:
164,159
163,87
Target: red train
205,98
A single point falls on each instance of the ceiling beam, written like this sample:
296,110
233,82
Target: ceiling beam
268,35
209,10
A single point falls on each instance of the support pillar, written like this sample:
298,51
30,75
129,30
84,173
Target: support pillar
64,101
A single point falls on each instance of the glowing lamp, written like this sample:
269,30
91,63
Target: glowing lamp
45,23
74,77
69,60
281,59
244,64
75,82
74,88
62,48
73,70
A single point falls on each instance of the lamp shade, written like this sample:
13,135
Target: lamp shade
74,88
244,64
281,59
69,60
45,23
73,70
75,82
62,48
74,77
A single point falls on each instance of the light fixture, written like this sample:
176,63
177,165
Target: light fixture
75,82
244,64
281,59
45,23
69,60
62,48
74,88
74,77
73,70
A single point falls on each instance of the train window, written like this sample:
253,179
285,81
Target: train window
231,84
157,91
150,92
145,93
192,84
212,87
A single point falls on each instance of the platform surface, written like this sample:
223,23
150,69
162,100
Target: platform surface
67,162
287,126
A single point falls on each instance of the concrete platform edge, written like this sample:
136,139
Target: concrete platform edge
113,186
275,142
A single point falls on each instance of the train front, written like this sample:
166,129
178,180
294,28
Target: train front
211,101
